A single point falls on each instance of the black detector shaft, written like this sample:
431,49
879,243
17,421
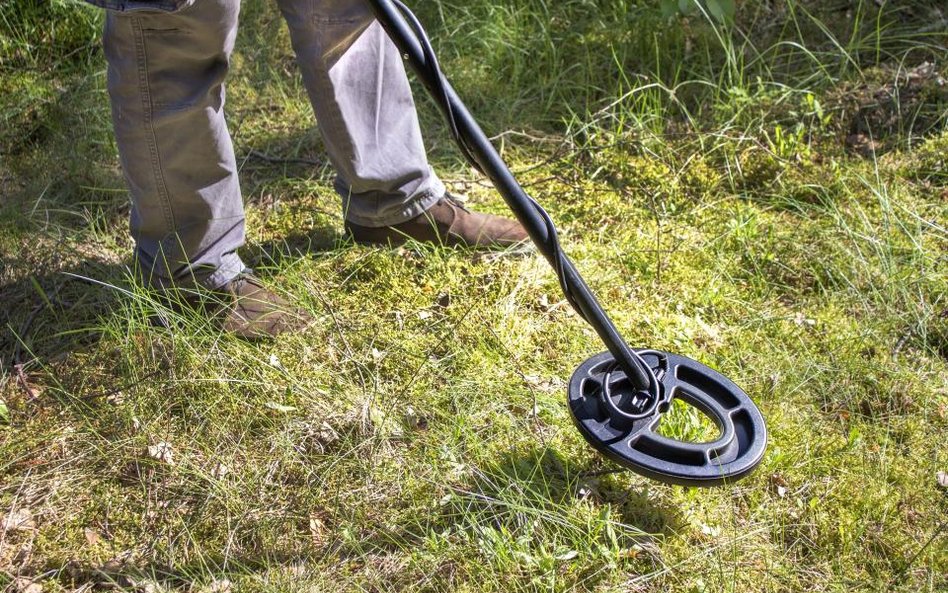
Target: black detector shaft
622,396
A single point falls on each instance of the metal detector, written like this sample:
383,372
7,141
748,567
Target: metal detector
616,398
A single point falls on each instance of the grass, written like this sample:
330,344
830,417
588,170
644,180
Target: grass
712,183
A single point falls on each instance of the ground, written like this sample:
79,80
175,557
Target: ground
768,196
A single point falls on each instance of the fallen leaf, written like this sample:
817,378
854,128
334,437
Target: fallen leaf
218,586
18,520
540,383
633,552
405,253
24,585
802,320
117,563
148,586
942,478
162,452
275,362
709,530
424,315
280,407
220,470
567,555
316,439
326,435
317,530
779,484
92,536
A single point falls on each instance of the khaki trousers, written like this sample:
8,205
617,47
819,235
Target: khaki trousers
166,72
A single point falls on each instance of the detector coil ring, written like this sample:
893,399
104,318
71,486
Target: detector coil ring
600,400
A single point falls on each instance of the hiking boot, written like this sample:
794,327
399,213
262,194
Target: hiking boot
447,222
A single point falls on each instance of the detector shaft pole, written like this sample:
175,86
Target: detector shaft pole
519,202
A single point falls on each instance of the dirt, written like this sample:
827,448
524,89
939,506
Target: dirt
891,105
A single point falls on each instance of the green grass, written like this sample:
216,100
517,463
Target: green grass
417,437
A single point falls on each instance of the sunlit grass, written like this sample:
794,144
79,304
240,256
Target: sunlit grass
417,437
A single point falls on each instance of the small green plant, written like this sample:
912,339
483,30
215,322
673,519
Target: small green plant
814,109
790,144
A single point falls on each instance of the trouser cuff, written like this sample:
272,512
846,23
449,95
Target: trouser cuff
231,266
379,210
199,276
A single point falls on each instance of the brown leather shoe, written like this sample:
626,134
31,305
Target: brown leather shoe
242,307
447,222
253,312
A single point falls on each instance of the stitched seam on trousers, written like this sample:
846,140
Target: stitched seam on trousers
148,113
334,20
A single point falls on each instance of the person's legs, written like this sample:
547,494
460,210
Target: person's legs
359,90
165,80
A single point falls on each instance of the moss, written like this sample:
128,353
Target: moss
757,170
416,437
810,184
25,101
632,172
928,162
699,178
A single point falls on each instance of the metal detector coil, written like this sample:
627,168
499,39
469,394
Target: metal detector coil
610,413
616,398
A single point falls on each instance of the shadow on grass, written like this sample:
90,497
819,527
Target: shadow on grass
543,477
293,245
49,313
